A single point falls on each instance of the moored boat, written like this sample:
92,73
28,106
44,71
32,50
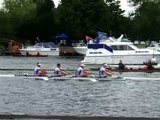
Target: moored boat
112,51
42,48
132,70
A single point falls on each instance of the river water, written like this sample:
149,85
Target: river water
128,98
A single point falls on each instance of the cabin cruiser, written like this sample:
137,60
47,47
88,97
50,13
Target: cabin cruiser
112,51
42,48
81,47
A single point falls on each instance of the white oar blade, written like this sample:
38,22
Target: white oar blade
7,75
45,78
42,78
93,80
85,79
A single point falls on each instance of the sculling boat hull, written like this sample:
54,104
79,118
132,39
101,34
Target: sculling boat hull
92,79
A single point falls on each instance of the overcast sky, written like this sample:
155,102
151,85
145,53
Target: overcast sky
124,5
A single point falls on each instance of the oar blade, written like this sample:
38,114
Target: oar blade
42,78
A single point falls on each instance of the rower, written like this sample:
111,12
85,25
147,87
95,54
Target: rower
81,72
38,71
103,72
58,71
121,66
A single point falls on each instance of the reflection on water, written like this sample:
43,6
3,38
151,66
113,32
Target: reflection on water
71,97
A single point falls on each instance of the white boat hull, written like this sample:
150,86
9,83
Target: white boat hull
114,60
81,50
40,51
101,53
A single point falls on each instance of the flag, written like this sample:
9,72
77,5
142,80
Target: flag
88,38
100,35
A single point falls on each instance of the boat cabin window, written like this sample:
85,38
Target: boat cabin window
38,45
121,47
46,45
52,45
141,51
95,52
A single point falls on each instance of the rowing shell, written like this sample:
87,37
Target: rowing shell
93,79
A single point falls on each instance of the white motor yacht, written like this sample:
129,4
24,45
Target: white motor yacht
111,52
81,47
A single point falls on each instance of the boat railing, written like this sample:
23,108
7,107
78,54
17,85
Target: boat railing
79,45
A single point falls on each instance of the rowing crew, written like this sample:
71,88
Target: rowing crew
80,72
58,71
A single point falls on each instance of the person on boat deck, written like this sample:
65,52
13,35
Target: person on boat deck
81,72
121,66
103,72
38,71
58,71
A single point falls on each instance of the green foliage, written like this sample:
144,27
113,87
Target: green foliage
82,17
147,20
44,22
141,46
16,13
77,18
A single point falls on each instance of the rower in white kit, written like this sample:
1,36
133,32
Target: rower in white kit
58,71
38,71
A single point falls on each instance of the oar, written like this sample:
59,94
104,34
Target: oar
108,72
7,75
42,78
12,75
93,80
84,78
26,75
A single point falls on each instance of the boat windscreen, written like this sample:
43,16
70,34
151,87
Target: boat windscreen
52,45
46,45
38,45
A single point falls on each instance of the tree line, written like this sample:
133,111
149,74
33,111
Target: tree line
77,18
